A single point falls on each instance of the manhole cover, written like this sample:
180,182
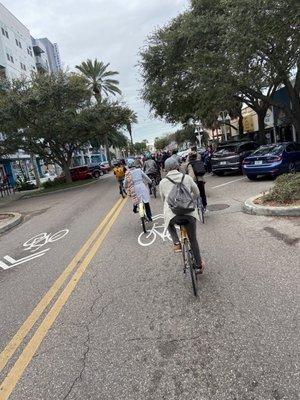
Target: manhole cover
217,207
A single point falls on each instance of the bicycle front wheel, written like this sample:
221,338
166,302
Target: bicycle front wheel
143,219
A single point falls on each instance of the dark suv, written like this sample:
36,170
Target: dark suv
230,155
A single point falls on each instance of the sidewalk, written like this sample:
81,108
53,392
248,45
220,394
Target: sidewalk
9,220
7,200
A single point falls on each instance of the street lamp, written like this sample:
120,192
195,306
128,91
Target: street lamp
223,119
198,128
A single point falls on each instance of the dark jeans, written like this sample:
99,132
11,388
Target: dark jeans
190,224
147,209
121,187
201,186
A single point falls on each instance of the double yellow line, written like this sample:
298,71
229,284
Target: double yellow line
81,260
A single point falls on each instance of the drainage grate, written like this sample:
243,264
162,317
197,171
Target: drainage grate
217,207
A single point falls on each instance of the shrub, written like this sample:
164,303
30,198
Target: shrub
286,189
24,185
55,183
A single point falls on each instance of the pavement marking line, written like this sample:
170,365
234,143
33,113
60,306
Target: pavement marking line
227,183
16,372
18,338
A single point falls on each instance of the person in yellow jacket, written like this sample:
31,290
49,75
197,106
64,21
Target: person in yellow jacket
119,172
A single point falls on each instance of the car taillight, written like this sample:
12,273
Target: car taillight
274,159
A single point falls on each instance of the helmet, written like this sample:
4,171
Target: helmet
130,163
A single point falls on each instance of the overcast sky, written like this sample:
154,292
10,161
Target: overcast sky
110,30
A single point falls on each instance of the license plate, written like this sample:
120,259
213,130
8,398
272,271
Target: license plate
258,162
223,162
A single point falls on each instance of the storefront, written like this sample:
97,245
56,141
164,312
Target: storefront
282,123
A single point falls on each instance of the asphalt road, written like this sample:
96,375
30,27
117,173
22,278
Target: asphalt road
126,325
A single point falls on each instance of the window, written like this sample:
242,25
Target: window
23,66
8,56
18,43
4,33
271,149
12,59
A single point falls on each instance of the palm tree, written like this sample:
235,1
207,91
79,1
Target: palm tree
99,81
132,119
98,78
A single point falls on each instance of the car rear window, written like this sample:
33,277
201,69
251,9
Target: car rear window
264,150
226,150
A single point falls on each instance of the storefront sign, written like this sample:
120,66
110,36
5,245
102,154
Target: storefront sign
248,123
269,119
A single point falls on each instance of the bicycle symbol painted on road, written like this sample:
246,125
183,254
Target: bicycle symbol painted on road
41,239
158,230
33,245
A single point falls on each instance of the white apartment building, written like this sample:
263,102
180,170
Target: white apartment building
16,50
20,55
52,52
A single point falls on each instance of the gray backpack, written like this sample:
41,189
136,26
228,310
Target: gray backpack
180,199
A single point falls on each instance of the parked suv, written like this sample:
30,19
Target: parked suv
86,172
230,155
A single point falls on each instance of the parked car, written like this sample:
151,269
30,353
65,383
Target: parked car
96,170
81,172
273,160
230,155
105,167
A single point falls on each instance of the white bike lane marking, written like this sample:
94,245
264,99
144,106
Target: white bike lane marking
227,183
32,245
158,230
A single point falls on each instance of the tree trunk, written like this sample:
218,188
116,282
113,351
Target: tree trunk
35,170
241,126
261,125
106,144
66,168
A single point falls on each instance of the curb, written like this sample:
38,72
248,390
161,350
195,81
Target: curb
28,196
249,207
14,221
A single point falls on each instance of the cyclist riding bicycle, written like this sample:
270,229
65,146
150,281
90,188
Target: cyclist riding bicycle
119,171
134,182
189,219
151,169
195,168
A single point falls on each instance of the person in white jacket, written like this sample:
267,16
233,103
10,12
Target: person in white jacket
189,219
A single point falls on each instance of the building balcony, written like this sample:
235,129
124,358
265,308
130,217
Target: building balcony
41,64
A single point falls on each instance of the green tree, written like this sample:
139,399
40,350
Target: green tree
99,81
52,116
266,44
201,63
99,78
141,147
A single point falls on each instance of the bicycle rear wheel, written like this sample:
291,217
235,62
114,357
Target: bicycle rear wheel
154,189
202,215
193,273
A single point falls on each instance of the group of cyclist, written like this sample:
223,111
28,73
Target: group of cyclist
136,179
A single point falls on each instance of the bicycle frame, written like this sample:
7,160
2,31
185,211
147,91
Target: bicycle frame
142,211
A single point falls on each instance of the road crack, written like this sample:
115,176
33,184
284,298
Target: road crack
79,378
